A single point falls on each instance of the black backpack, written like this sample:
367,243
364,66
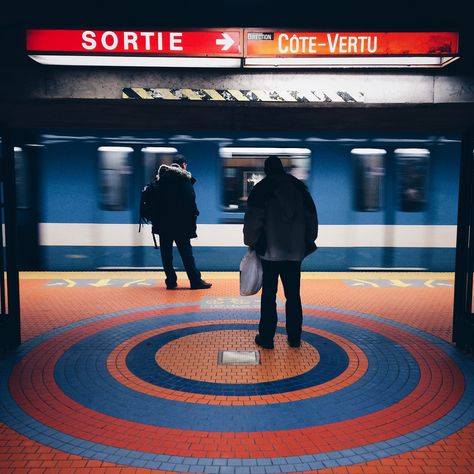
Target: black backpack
146,204
147,208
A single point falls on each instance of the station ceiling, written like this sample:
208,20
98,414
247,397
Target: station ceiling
327,15
370,15
314,14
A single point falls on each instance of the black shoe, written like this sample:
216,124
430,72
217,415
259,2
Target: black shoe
172,286
265,345
296,343
200,285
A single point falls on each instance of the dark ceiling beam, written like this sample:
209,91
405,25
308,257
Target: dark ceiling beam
137,114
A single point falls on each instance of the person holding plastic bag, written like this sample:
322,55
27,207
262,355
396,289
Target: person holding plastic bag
251,274
281,225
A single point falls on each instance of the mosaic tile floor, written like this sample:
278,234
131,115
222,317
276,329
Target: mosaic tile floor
117,374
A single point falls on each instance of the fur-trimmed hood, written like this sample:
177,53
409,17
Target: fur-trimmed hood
175,204
174,168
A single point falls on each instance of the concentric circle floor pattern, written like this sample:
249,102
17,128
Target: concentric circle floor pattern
142,387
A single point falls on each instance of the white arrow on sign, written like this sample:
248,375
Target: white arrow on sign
226,41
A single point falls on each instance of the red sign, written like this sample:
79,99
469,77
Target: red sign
211,42
266,43
223,47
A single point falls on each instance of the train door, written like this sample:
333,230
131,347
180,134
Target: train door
368,235
26,179
411,234
115,226
390,213
123,171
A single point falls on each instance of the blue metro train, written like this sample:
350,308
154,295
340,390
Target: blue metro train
384,202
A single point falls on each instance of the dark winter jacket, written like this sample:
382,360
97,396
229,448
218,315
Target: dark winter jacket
281,221
174,203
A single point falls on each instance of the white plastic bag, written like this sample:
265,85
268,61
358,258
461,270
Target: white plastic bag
251,274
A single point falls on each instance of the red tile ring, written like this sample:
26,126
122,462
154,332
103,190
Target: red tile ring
34,389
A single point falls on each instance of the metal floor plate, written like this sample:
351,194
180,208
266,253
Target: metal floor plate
239,357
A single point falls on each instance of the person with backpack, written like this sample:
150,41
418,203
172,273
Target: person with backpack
170,204
281,224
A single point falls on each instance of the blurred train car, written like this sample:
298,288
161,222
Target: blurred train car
384,202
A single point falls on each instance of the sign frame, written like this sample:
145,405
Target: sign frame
159,43
201,48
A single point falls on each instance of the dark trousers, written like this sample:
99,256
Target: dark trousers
186,252
290,273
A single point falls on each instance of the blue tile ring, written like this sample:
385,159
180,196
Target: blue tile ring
81,374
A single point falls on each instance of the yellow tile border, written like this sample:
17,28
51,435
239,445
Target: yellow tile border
159,275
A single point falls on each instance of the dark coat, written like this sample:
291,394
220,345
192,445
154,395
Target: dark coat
174,203
281,221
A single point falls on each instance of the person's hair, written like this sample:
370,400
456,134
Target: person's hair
273,165
179,160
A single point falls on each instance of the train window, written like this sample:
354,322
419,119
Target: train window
21,179
243,168
114,172
369,168
154,157
412,178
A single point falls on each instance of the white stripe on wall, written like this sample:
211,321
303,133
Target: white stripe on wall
230,235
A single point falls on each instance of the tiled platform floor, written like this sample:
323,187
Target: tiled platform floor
116,374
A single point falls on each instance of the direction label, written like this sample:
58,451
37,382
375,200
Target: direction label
386,283
260,43
100,283
203,43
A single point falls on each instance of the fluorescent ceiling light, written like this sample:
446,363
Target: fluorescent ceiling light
412,151
134,61
343,62
228,152
159,149
194,62
115,148
368,151
268,139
